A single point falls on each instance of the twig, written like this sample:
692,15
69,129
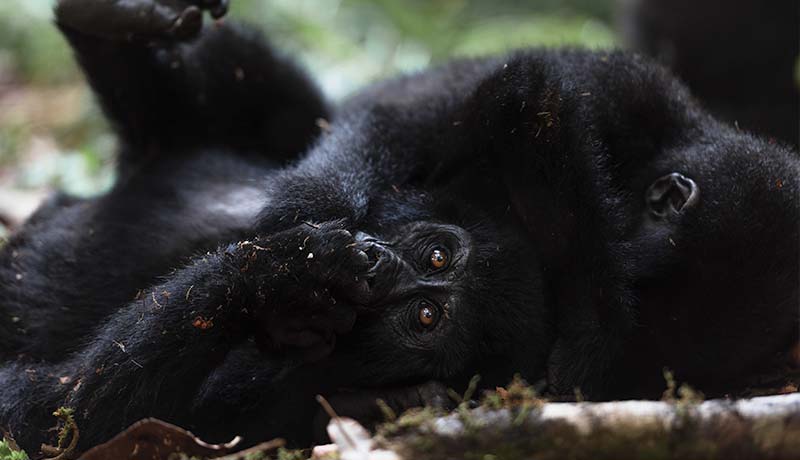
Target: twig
332,414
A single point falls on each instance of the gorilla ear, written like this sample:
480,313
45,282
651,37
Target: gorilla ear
670,194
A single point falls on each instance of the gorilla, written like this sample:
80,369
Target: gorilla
567,215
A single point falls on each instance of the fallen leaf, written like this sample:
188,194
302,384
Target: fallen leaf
153,439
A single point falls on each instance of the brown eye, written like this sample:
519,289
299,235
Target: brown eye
427,314
438,258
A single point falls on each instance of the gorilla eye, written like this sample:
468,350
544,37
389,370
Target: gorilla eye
428,315
438,258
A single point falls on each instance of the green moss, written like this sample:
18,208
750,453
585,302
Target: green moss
65,414
526,438
518,394
683,394
412,419
289,454
8,453
388,413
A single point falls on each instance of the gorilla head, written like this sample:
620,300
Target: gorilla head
448,302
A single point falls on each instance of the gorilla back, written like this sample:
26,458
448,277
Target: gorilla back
568,215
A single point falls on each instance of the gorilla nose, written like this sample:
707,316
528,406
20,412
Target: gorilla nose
372,247
384,263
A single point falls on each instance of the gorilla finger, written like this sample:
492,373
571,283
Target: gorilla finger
134,18
187,24
217,8
353,289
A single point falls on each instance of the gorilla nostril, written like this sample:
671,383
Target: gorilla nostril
377,260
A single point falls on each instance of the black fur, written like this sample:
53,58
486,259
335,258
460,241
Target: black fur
597,224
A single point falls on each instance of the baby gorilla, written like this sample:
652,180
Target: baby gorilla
566,215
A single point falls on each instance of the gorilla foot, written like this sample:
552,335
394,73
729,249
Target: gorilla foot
138,19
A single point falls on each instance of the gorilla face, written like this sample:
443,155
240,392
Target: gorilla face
444,298
425,261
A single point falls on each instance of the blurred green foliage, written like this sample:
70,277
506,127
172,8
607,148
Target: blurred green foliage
344,44
7,453
30,46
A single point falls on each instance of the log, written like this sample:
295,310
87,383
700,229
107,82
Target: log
757,428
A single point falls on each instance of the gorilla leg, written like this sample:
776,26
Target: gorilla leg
167,85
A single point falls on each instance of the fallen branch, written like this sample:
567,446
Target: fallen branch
762,428
757,428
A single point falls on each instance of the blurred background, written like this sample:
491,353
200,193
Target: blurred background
52,135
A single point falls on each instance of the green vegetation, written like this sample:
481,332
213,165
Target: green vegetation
7,453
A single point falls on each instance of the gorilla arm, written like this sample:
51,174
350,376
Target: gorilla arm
154,353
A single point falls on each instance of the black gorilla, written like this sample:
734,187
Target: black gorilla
568,215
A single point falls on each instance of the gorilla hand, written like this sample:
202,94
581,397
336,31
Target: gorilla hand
305,284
